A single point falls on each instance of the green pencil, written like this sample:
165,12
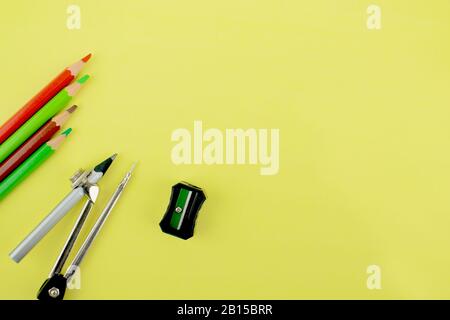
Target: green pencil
55,105
31,164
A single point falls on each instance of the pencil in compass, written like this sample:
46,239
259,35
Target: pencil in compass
41,98
44,134
52,107
32,163
61,209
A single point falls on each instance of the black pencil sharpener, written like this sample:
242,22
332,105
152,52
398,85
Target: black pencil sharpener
184,205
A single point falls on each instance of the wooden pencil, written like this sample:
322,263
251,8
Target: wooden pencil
41,98
31,164
55,105
44,134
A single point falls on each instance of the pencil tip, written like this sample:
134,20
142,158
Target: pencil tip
72,108
83,79
103,167
67,132
86,58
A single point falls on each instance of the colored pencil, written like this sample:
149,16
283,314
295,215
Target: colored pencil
52,107
31,164
44,134
41,98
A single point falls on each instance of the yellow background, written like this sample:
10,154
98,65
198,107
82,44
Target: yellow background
364,146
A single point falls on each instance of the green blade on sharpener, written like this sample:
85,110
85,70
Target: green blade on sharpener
180,208
185,203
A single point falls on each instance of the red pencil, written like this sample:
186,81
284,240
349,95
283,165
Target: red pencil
40,99
40,137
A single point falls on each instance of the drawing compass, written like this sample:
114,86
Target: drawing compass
84,183
55,286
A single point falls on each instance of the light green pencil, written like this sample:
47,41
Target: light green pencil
55,105
31,164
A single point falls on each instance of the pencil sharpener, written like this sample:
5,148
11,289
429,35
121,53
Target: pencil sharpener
184,205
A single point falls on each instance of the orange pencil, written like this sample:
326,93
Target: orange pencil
40,99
